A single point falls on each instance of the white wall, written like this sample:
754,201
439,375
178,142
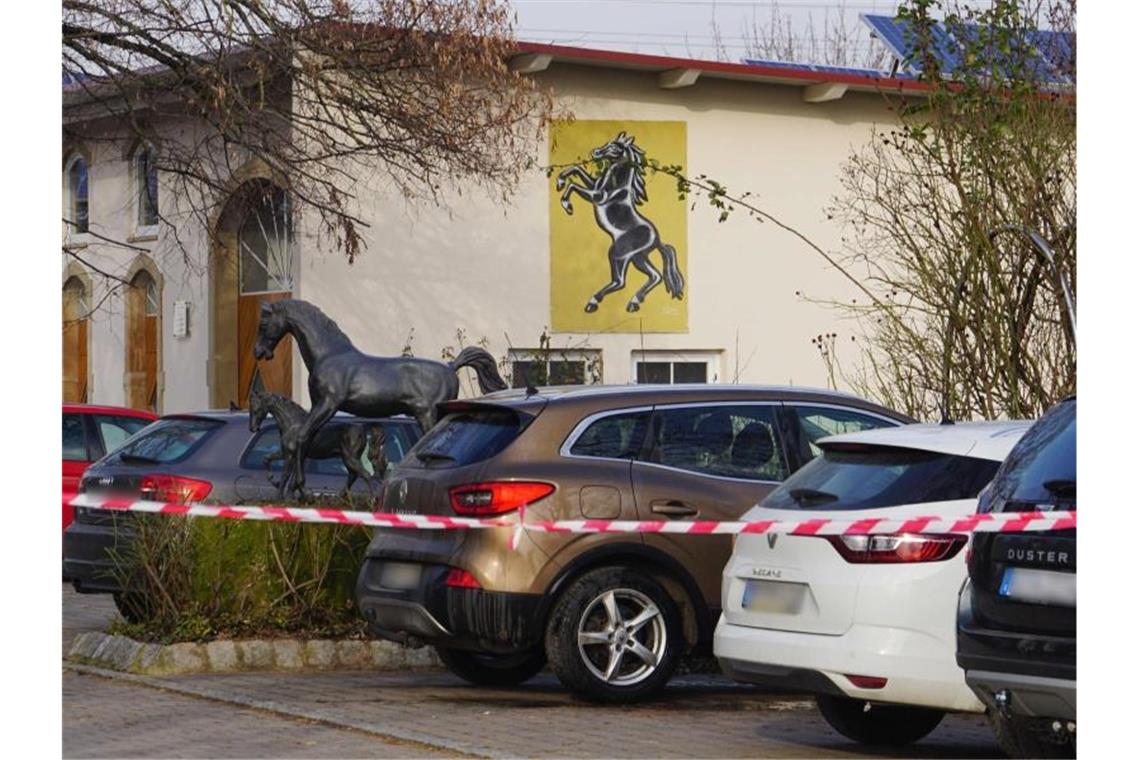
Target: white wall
485,268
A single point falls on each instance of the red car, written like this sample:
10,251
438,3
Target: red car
89,432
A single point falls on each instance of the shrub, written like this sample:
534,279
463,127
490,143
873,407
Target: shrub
197,579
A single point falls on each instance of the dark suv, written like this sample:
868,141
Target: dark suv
611,613
1017,614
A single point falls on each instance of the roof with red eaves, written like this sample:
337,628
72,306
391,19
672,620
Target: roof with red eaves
855,80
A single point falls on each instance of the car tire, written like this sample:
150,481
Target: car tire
869,723
1030,737
492,669
596,653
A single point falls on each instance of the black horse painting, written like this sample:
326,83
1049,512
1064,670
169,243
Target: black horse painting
615,195
341,377
348,440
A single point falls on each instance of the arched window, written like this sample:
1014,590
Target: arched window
77,190
266,242
143,314
76,308
145,186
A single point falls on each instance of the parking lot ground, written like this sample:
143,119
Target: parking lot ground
355,714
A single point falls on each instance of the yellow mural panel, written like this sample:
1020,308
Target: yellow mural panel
618,237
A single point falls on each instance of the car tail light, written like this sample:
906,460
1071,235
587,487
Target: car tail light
866,682
898,548
171,489
496,498
457,578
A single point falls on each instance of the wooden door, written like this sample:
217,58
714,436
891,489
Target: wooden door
75,325
275,375
142,343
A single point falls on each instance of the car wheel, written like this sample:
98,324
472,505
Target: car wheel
869,723
614,636
1030,737
492,669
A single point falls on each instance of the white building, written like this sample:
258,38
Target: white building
182,339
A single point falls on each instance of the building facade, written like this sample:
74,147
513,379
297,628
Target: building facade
596,271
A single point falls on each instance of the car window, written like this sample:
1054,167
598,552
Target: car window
398,441
467,437
815,422
1042,467
615,436
74,438
115,429
166,441
878,477
268,441
727,441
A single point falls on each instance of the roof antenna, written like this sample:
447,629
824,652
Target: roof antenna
945,417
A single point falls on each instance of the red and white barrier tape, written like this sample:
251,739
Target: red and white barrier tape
992,522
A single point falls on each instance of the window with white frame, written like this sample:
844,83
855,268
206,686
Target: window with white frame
673,367
145,182
553,366
76,176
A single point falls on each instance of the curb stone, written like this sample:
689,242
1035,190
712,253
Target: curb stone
129,656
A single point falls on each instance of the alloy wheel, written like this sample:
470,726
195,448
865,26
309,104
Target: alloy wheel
622,636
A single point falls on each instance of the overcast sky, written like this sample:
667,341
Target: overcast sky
684,28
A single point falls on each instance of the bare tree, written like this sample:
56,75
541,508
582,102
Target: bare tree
829,39
324,93
961,321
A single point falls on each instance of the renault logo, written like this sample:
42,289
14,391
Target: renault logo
402,492
772,540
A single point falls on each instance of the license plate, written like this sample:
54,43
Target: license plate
773,596
1024,584
400,575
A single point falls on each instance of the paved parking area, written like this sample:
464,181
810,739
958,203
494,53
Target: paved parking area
418,714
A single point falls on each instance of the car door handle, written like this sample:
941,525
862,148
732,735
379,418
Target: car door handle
672,509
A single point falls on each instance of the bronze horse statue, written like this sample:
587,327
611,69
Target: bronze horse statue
348,440
342,377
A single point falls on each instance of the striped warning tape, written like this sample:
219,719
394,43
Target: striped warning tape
992,522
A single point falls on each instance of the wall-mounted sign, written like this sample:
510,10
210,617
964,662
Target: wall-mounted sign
181,319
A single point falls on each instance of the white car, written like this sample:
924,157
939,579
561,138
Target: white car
867,623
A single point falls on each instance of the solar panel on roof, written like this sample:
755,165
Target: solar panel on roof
816,68
1049,58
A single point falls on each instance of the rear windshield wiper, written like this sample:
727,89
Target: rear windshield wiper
434,456
137,459
809,495
1061,487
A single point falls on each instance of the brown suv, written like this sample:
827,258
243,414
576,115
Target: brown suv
612,613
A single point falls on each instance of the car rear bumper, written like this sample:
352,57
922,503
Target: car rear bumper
1029,696
429,611
919,669
1038,672
87,559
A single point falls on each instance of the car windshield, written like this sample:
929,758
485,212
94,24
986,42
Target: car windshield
165,441
877,477
1043,465
466,437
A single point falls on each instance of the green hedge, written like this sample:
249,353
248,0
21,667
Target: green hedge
197,579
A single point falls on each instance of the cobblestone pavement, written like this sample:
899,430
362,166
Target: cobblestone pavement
362,714
110,718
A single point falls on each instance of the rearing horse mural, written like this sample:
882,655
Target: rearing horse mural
615,194
342,377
